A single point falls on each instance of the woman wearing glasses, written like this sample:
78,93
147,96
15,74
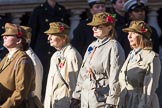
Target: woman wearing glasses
101,65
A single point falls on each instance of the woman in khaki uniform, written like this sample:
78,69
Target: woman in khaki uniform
38,67
140,73
64,67
17,74
101,65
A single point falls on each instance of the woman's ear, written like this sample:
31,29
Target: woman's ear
109,27
19,40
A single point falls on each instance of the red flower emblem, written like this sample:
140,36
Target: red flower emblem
143,30
110,19
61,65
19,34
61,28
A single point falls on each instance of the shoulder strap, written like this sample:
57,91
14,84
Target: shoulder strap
62,77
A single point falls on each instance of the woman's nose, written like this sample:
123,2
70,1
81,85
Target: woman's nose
129,35
49,37
4,37
94,28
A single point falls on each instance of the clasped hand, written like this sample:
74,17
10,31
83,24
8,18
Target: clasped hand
110,106
75,103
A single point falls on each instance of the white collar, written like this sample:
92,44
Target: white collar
11,53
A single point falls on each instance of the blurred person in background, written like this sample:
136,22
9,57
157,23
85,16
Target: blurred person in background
83,34
37,64
118,9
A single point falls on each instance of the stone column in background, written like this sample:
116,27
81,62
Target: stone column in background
152,19
74,20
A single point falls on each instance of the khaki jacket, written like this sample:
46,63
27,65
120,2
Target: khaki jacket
17,76
56,91
105,64
147,66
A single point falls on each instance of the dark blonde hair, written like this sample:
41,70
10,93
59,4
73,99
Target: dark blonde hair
112,34
145,43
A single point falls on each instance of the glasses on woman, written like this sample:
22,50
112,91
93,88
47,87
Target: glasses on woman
98,27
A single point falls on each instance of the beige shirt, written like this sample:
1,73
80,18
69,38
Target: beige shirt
69,62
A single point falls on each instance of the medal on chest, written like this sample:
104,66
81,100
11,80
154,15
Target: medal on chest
61,62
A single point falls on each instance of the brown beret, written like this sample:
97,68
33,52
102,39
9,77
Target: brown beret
139,27
57,28
14,30
102,18
28,31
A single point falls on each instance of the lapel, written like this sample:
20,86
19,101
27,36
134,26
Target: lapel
124,68
3,62
2,67
139,57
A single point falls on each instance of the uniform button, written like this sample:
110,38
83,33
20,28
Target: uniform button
3,27
62,19
59,9
46,20
49,52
